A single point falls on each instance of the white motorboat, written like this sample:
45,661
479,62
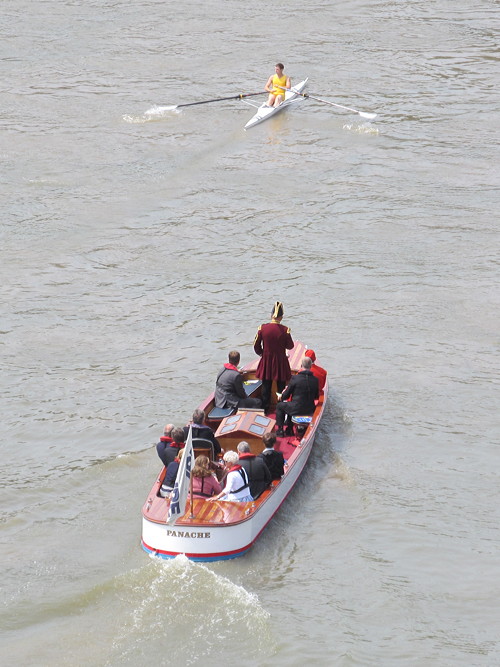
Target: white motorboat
223,529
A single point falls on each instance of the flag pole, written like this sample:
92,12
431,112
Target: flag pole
178,498
191,491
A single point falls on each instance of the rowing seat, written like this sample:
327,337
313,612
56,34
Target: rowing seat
220,413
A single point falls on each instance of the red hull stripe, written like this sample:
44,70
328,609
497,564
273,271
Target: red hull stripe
199,556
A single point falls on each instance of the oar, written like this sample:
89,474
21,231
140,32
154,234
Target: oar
363,114
217,99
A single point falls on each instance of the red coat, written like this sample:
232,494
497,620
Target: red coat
319,373
271,343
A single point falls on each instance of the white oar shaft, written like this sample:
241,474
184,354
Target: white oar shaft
364,114
341,106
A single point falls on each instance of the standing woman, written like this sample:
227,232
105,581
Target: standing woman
276,94
271,343
205,482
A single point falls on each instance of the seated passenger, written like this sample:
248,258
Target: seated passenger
257,471
205,482
201,430
303,389
237,487
316,370
170,475
229,389
165,441
172,449
272,458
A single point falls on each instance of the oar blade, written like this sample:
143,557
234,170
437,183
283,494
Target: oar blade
365,114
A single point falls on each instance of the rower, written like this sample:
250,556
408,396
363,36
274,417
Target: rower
276,94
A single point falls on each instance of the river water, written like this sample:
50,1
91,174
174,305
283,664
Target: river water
139,246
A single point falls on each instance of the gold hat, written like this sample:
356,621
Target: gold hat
278,310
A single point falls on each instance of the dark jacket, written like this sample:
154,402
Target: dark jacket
257,471
229,387
274,461
171,473
169,479
202,431
162,447
168,451
304,390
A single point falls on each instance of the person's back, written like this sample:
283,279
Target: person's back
229,389
317,371
320,374
272,458
275,462
205,487
172,450
271,343
171,475
164,443
201,430
205,483
226,388
237,486
303,390
258,473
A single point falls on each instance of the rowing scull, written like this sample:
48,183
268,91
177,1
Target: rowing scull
264,112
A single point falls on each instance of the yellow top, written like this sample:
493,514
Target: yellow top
279,81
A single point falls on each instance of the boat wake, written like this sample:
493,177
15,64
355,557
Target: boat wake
341,471
363,128
159,112
187,601
152,114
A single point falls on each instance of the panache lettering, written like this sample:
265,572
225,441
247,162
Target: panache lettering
187,533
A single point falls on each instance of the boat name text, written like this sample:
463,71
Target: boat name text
187,533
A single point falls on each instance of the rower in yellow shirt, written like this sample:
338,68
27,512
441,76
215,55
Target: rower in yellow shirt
276,94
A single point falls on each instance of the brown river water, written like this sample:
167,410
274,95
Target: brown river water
139,246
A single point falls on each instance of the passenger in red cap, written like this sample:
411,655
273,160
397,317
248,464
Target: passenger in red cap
316,370
271,343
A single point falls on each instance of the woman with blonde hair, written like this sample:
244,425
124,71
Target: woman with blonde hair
205,482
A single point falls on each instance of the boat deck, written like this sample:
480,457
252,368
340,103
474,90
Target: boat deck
214,513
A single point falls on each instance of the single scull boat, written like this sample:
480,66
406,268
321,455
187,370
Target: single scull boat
264,112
